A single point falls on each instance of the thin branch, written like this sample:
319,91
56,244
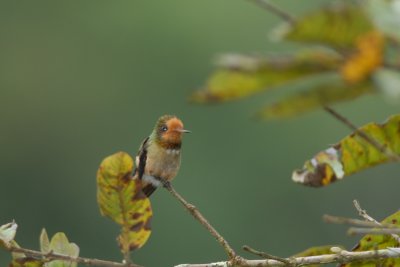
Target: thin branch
267,5
342,220
265,255
198,216
383,149
340,256
47,257
373,231
363,213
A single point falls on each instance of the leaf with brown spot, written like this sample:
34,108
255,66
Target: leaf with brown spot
315,251
352,154
121,199
371,242
240,76
337,25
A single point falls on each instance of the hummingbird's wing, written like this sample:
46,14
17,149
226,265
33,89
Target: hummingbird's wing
141,159
141,165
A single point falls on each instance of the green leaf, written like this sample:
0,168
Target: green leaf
44,242
372,242
388,81
385,15
332,91
315,251
7,233
120,198
26,262
337,25
352,154
59,244
241,76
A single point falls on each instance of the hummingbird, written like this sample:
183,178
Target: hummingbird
159,156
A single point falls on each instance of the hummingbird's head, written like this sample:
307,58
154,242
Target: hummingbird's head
169,130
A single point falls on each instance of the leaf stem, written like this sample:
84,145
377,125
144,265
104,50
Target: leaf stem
383,149
342,220
267,5
265,255
339,256
199,217
363,213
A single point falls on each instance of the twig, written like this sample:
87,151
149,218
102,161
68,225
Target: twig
198,216
267,5
54,256
373,231
356,222
363,213
366,137
265,255
340,256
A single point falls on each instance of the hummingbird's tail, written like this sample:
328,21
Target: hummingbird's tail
149,189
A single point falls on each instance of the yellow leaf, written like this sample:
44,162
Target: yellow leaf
366,59
120,198
26,262
241,76
322,94
352,154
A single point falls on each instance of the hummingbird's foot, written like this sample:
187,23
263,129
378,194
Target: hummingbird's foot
164,182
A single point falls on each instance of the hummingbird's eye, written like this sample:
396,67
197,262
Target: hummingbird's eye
164,128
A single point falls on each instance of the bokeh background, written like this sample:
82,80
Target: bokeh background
80,80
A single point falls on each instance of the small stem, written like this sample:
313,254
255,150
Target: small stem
363,213
54,256
265,255
340,256
199,217
267,5
341,220
366,137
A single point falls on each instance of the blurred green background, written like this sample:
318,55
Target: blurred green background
80,80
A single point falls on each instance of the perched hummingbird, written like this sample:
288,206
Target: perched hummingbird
159,156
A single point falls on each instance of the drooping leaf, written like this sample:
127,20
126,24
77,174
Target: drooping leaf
315,251
366,58
26,262
352,154
241,76
385,14
330,91
337,25
120,198
372,242
388,82
7,233
59,244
